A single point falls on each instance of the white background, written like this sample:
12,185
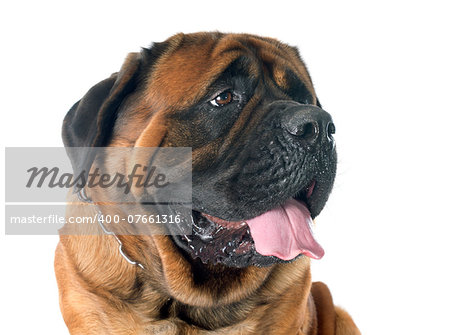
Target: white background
380,68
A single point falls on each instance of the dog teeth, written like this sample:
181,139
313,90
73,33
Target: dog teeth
206,238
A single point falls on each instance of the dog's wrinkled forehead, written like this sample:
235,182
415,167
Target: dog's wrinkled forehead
191,63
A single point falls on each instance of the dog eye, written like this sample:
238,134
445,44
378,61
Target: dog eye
222,99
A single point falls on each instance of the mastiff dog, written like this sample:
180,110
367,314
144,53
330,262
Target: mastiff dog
263,166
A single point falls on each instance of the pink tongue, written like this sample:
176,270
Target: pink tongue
285,232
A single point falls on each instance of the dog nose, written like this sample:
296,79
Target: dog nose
308,124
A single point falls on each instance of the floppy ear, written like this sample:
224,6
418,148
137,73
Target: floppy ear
89,123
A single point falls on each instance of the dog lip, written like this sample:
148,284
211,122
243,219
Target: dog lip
310,189
305,194
212,242
225,223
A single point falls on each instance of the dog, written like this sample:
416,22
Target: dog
263,166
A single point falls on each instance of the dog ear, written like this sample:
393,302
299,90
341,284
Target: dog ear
89,123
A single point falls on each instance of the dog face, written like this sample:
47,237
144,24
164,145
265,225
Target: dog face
262,149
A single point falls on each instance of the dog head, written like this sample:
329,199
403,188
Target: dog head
263,154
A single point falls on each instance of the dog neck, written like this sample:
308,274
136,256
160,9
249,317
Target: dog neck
285,292
152,299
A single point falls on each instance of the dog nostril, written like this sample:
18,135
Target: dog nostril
331,129
308,131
